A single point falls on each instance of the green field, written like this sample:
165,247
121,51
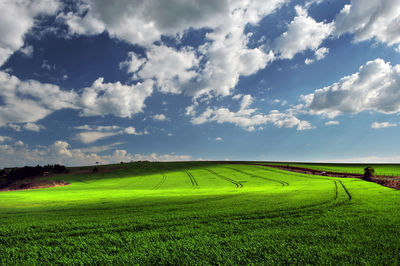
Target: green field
352,168
201,213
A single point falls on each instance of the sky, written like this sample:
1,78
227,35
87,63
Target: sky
96,81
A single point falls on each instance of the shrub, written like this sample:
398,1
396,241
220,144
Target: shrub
368,172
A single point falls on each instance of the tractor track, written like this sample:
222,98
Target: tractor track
345,190
159,184
283,183
193,180
236,183
322,178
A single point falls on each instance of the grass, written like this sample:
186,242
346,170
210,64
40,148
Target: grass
201,213
380,169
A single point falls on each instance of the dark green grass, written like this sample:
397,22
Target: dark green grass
156,214
380,169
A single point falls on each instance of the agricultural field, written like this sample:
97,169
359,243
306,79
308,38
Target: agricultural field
200,213
352,168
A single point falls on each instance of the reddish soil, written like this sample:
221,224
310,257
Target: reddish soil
34,183
37,182
387,181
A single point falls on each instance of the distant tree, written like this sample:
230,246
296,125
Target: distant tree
368,173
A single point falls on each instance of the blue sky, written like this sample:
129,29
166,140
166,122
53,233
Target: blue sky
107,81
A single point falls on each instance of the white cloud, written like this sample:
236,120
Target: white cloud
378,19
237,96
94,133
33,127
321,53
377,125
331,123
17,17
132,63
115,98
132,131
218,139
19,143
27,51
61,152
303,33
366,159
15,127
29,101
92,136
5,138
309,61
172,69
190,110
248,118
160,117
374,87
226,54
143,22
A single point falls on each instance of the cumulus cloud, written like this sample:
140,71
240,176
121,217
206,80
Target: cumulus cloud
331,123
319,54
248,118
303,33
132,131
5,138
61,152
115,98
375,87
225,56
172,69
377,125
29,101
378,19
143,22
27,51
33,127
160,117
19,143
17,17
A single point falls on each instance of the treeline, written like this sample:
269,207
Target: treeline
10,175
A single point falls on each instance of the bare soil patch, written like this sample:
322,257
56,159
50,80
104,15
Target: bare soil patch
34,183
39,182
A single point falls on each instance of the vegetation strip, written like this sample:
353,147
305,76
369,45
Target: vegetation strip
238,184
159,184
192,180
283,183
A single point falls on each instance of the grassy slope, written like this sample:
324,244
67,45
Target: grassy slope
380,169
184,213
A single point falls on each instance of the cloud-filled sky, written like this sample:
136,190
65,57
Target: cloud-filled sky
86,81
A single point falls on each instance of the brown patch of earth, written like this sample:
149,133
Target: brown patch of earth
34,183
38,182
